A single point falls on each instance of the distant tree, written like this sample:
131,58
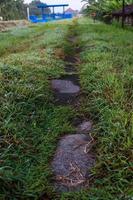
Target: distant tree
12,9
36,11
16,9
103,8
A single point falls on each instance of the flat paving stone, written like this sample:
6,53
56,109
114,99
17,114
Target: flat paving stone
66,90
72,162
84,127
65,86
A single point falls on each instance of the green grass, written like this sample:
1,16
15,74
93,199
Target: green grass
107,78
18,40
31,125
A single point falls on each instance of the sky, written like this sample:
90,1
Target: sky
74,4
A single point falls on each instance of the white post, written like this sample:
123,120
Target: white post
28,13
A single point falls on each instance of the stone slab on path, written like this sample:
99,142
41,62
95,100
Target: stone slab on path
65,86
72,162
66,89
85,127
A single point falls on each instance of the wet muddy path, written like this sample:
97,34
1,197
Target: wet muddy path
74,158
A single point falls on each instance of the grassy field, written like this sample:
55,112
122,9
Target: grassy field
31,125
107,78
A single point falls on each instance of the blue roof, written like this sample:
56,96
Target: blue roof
43,5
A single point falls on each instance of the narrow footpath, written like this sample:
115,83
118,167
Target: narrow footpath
74,158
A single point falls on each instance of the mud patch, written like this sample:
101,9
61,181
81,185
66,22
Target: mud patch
44,196
70,59
72,163
59,53
66,99
7,25
70,68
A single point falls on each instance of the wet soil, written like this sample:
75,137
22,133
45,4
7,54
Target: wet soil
69,68
45,196
70,59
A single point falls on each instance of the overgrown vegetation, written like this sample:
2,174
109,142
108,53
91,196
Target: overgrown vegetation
12,9
107,77
31,124
103,8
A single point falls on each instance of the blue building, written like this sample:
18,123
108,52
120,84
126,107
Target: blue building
51,16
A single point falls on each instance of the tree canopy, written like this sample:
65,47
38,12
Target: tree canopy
16,9
35,11
104,7
12,9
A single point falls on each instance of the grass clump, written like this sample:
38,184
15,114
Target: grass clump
106,80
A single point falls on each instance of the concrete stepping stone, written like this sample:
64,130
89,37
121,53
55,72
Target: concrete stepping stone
85,127
72,162
65,86
66,89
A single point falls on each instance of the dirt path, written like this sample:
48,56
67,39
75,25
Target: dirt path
7,25
74,157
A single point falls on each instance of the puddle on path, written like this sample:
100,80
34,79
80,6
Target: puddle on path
72,162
